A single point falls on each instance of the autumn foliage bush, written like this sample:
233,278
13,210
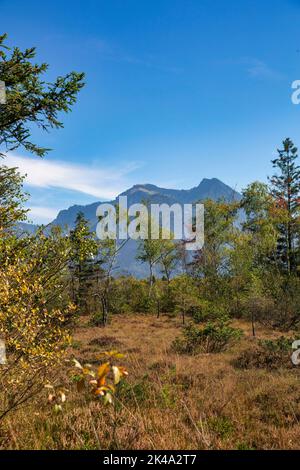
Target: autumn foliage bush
33,320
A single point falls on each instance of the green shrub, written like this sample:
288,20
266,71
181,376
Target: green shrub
214,337
207,310
96,319
281,344
136,393
130,295
267,354
167,396
221,426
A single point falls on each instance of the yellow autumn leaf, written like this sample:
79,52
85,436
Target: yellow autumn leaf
102,372
117,374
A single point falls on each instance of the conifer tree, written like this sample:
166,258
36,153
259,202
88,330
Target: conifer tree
30,99
285,188
84,262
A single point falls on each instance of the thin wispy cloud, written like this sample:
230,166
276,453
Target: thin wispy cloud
258,68
150,63
116,54
42,214
101,183
254,67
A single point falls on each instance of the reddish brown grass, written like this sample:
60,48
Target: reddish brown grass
169,401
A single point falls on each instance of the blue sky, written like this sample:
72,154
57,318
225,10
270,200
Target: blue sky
176,90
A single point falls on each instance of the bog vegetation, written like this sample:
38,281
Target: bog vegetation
196,356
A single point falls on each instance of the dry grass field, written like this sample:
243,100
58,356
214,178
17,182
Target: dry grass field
168,401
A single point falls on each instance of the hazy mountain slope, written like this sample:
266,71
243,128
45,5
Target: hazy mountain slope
24,227
208,188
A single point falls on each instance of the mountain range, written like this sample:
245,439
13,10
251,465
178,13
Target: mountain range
127,264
